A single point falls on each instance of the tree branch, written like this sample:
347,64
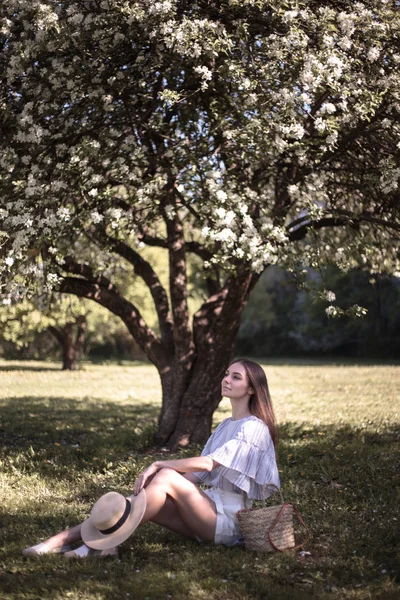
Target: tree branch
193,247
143,269
369,217
217,318
178,288
144,335
71,266
301,230
303,224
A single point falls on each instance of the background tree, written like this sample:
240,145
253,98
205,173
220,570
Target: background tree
376,335
282,320
22,322
247,133
25,323
71,338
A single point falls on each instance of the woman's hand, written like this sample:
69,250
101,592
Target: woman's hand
145,477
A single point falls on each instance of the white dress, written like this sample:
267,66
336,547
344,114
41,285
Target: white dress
246,455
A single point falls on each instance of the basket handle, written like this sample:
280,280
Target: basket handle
300,518
271,484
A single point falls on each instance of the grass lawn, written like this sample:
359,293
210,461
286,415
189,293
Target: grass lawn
66,438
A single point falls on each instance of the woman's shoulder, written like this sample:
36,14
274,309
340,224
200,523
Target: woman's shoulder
255,430
253,422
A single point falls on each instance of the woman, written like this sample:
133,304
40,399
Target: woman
236,463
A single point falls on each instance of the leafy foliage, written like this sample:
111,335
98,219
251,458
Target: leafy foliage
257,122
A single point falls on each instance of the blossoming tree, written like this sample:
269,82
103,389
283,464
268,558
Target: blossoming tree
244,132
21,322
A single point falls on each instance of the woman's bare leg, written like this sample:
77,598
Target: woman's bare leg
64,538
173,502
194,514
170,518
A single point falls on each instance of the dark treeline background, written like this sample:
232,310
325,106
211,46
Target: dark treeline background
280,320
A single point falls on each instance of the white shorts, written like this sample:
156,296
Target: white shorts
227,530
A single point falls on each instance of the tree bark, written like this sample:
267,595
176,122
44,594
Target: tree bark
198,403
72,345
189,407
68,348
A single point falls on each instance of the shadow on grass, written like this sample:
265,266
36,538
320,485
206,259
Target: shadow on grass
56,436
33,369
165,567
155,564
345,481
54,365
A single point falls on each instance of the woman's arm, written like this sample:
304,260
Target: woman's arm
187,465
191,477
182,465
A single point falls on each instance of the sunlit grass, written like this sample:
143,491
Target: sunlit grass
68,437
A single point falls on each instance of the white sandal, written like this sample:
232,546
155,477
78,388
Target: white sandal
40,549
86,552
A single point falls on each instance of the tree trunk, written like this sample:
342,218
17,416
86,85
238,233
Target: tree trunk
71,348
174,381
189,403
68,348
188,406
199,402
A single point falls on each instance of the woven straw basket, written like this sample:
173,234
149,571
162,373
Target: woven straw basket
270,528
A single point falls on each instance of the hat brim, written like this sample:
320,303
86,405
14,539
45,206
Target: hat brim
98,541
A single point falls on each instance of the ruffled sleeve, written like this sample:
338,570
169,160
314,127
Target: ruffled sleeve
248,459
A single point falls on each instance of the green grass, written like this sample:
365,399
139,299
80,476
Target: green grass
66,438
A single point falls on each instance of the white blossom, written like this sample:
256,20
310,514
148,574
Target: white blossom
53,279
221,195
97,217
229,218
331,311
205,73
289,15
332,138
328,108
63,214
320,125
220,212
225,235
330,296
170,211
373,54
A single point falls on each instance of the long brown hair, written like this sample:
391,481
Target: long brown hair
260,404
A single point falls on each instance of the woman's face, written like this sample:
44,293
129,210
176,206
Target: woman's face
235,384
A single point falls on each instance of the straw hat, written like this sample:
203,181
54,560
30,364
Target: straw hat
113,519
